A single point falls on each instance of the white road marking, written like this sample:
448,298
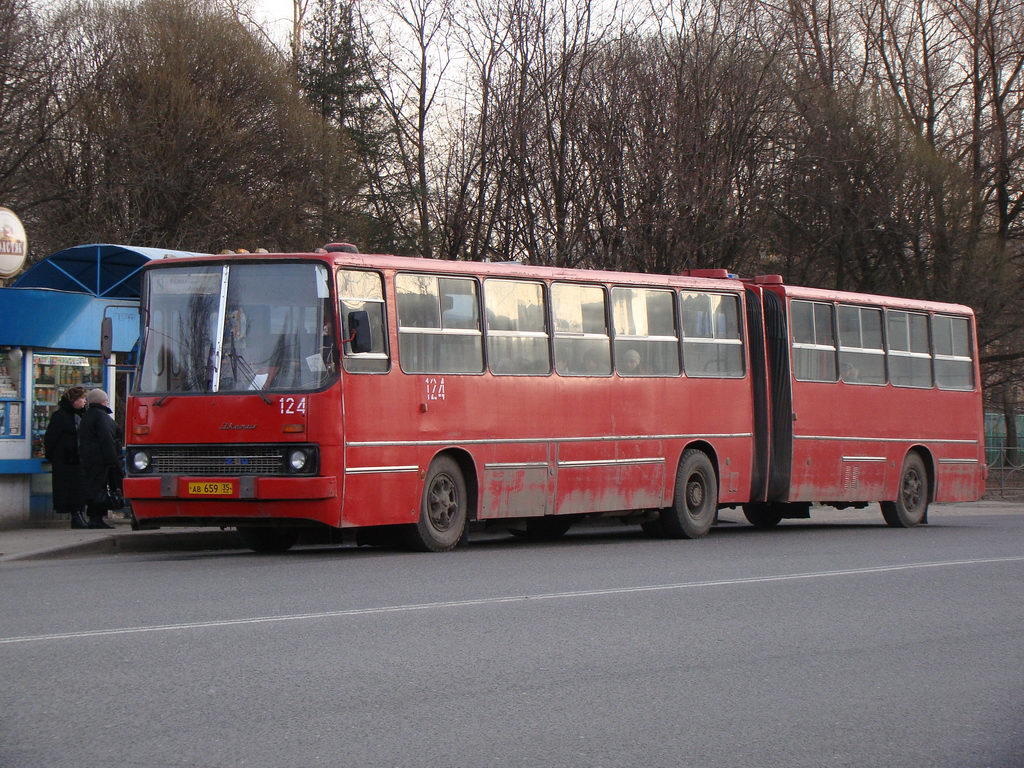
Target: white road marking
506,599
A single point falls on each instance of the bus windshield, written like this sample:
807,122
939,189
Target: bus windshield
237,328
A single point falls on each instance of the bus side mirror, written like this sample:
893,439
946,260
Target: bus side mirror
359,328
107,337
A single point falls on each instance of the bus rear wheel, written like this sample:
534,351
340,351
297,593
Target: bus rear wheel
268,541
762,515
696,499
911,503
443,509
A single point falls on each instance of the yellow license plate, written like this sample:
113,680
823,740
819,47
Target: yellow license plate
211,489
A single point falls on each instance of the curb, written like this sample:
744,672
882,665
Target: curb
137,541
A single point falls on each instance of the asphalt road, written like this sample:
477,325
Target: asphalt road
830,642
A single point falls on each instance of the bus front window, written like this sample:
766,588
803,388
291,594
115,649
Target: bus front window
273,322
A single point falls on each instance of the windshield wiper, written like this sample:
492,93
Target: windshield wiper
248,372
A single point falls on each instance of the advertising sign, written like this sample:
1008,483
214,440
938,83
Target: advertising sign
13,244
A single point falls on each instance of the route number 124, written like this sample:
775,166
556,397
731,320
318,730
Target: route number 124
293,405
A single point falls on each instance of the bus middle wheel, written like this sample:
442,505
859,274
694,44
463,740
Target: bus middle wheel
695,501
762,515
443,509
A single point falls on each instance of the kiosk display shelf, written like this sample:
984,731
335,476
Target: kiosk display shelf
52,375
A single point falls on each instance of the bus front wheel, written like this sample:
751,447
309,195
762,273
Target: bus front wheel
443,509
911,503
696,498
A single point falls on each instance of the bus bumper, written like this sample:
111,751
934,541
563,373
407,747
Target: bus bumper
242,488
168,500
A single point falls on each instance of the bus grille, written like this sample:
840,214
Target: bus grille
218,460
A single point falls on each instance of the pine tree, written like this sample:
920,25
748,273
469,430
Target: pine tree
334,74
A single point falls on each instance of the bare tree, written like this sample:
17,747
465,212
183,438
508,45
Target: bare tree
194,136
415,55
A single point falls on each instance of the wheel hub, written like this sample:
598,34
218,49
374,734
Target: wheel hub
443,502
694,494
912,490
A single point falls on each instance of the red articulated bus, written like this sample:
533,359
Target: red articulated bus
357,391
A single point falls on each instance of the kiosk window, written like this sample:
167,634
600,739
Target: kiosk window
11,398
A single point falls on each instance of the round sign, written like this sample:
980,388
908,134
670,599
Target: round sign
13,244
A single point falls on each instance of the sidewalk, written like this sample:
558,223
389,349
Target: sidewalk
52,542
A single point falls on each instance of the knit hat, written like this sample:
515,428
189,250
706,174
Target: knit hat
96,396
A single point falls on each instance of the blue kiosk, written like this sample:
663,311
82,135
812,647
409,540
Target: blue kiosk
49,341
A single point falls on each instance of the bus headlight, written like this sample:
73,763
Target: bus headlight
141,461
297,460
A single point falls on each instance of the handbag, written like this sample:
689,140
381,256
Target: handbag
110,497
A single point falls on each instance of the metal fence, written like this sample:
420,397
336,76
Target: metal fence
1005,472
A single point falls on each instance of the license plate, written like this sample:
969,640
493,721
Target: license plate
211,489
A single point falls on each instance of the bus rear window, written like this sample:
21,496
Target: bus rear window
954,368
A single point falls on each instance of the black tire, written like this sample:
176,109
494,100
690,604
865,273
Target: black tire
762,515
911,505
269,541
443,509
546,528
696,499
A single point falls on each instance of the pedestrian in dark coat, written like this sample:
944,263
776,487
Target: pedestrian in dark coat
99,441
61,446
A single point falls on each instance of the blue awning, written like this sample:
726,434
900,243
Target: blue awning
48,319
102,270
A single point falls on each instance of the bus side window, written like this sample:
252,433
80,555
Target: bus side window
582,346
517,337
438,324
360,291
910,362
861,353
646,340
814,341
712,345
954,367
